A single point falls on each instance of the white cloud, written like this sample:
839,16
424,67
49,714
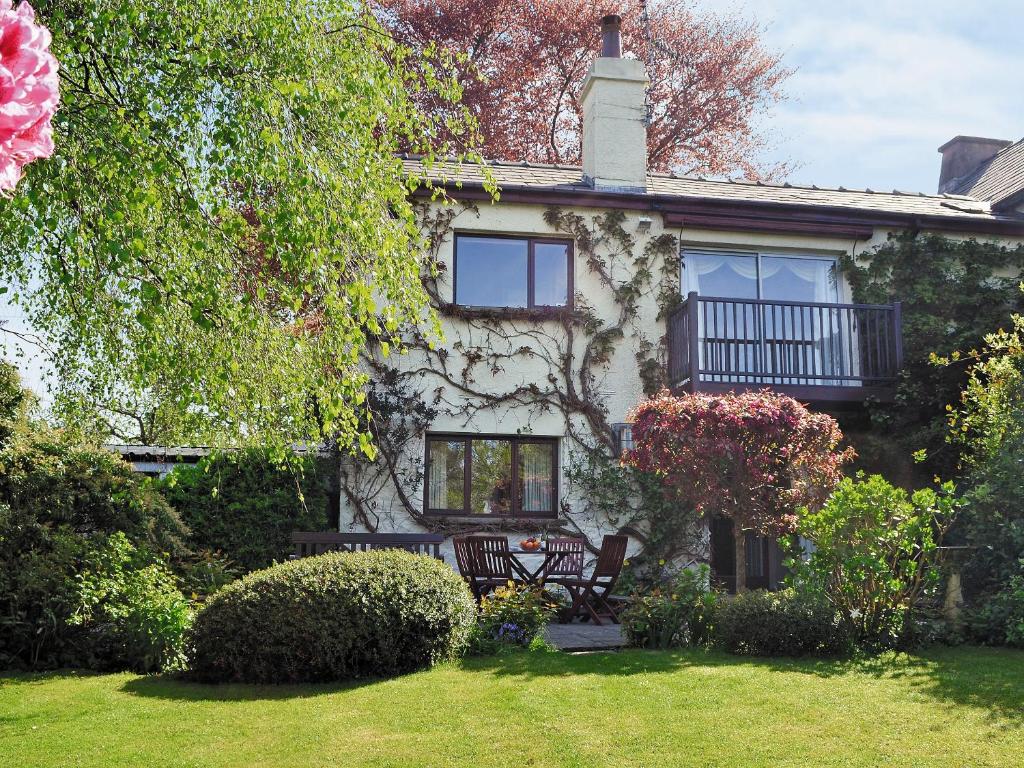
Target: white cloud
880,86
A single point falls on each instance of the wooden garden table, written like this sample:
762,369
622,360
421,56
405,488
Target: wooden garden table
535,577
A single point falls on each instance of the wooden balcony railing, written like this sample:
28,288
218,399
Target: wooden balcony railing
814,351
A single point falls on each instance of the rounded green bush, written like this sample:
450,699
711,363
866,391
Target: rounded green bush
333,617
783,623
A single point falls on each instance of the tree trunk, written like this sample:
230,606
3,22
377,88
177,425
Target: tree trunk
740,537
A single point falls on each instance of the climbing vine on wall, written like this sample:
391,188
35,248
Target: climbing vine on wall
574,348
953,293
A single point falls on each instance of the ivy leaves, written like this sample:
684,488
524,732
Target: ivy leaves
953,293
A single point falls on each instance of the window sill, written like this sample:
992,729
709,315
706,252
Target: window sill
506,313
499,521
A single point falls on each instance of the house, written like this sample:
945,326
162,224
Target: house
583,289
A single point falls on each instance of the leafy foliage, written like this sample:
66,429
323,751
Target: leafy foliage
998,619
636,502
333,617
678,613
246,504
783,623
50,521
37,592
875,555
59,501
204,572
512,616
953,293
14,400
524,67
988,427
130,609
52,482
754,457
225,221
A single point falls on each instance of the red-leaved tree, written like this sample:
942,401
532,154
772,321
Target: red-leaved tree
525,62
754,458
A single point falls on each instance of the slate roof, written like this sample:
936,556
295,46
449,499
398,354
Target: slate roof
998,178
535,177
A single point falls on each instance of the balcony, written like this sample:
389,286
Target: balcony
815,352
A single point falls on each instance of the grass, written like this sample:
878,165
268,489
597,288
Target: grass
948,707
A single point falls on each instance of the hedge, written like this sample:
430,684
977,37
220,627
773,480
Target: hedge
337,616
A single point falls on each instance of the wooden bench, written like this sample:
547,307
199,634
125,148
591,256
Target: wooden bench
309,543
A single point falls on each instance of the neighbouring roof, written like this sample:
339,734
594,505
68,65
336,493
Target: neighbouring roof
998,179
181,453
171,452
960,211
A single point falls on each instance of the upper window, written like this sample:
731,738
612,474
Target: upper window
760,276
510,476
515,272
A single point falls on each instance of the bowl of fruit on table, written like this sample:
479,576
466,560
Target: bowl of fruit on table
531,544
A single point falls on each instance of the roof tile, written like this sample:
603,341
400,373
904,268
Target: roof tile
525,176
997,179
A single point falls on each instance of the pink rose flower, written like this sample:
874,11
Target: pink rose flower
29,92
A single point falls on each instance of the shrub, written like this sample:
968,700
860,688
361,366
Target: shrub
989,428
58,501
876,555
754,458
132,613
245,504
778,624
511,616
205,572
676,614
48,477
333,617
37,593
999,619
15,400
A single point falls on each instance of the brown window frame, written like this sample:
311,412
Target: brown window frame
530,280
467,469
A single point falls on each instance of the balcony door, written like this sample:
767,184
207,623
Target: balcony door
769,326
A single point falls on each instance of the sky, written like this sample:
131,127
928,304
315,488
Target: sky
880,86
877,88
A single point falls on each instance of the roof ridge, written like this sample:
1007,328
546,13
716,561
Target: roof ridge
1011,145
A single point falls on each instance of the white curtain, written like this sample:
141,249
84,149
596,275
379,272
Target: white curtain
818,273
702,263
535,461
438,476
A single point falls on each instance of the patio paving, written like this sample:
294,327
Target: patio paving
585,637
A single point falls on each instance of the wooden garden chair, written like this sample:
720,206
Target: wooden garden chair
465,558
489,558
591,596
569,565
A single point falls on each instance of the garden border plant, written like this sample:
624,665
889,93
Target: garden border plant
337,616
876,556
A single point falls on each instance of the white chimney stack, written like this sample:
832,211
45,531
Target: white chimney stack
614,117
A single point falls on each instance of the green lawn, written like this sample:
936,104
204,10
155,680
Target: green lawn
949,707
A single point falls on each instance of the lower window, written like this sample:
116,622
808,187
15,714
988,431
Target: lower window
491,475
